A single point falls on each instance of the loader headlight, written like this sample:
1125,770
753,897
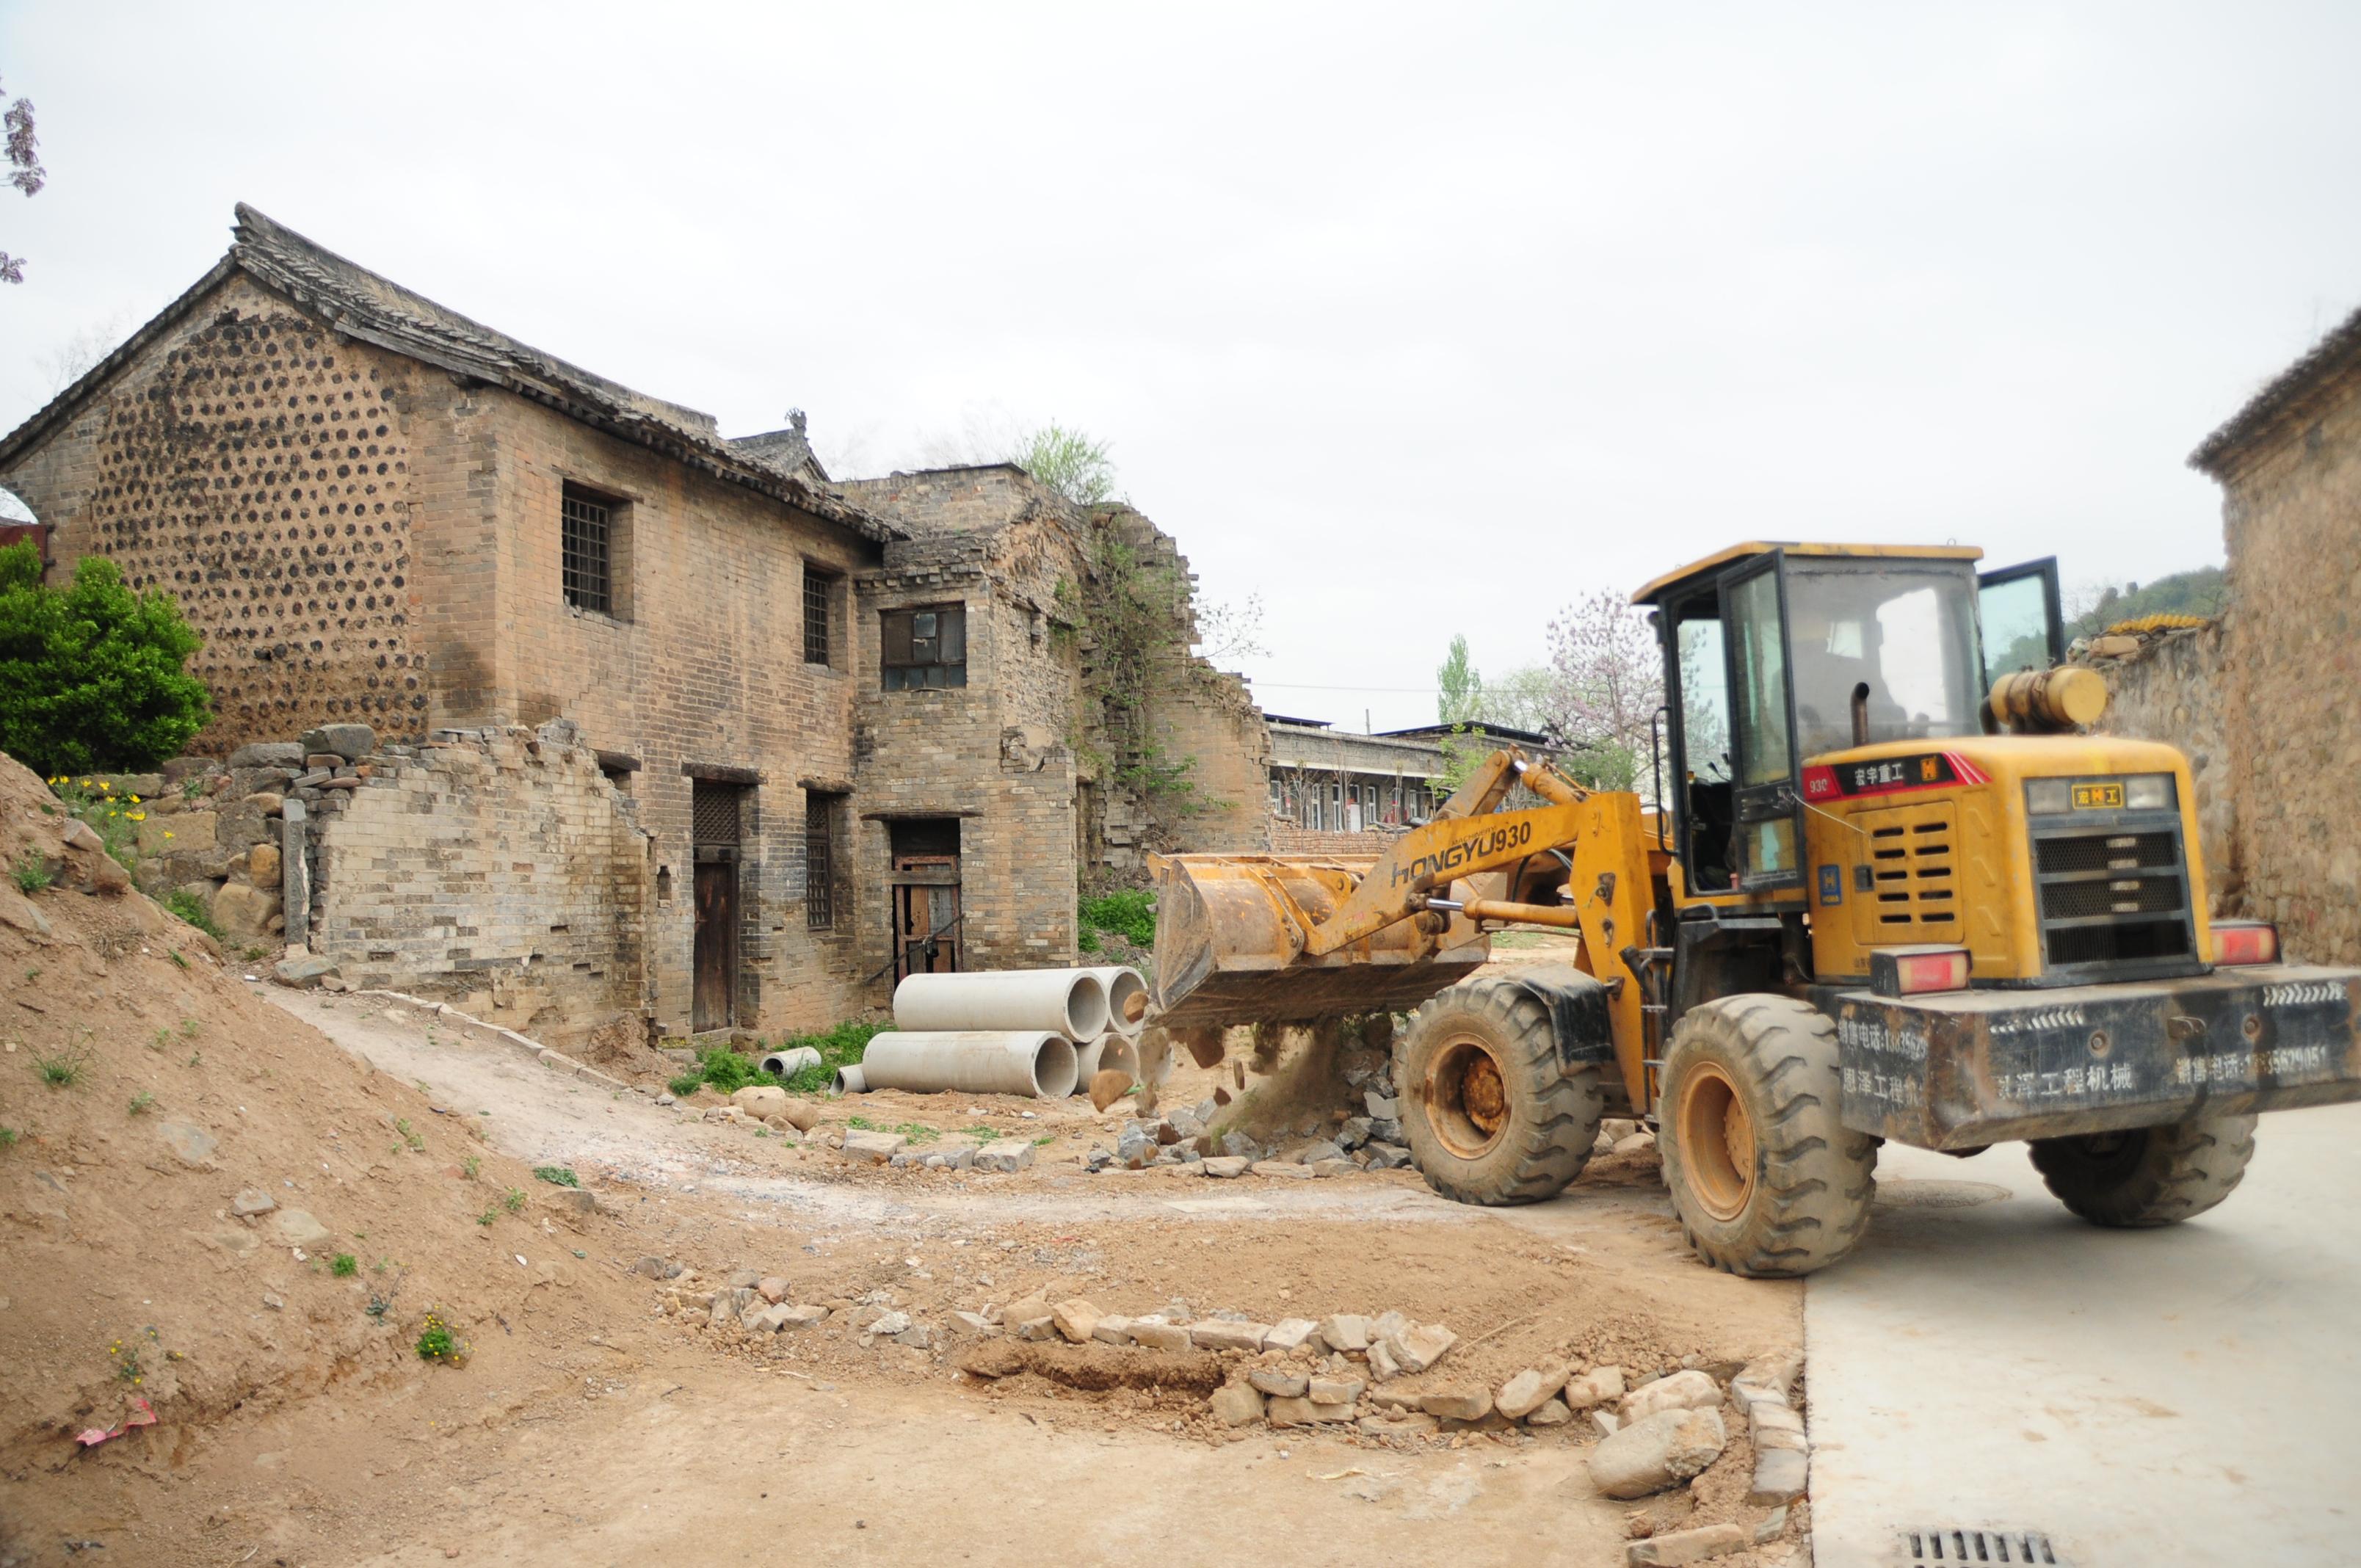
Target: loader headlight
2150,792
2043,797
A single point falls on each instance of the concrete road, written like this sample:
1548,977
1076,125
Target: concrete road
2182,1396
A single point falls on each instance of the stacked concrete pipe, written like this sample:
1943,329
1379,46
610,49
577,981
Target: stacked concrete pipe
973,1061
1126,995
1073,1001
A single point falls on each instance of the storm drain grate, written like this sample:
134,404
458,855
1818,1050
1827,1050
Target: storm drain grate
1952,1546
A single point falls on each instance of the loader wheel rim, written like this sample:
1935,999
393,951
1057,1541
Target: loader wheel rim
1466,1097
1716,1141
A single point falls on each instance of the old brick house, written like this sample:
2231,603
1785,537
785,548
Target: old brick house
816,698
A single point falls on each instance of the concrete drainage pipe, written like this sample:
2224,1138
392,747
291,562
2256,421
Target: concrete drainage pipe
786,1063
1070,1002
1097,1056
971,1061
1126,996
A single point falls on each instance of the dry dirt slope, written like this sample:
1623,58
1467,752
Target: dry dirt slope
142,1090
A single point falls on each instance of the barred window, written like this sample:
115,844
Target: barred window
585,558
819,589
925,647
820,860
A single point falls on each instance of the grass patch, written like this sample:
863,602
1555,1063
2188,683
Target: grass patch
31,871
982,1135
8,1136
142,1102
344,1265
512,1199
840,1047
557,1175
62,1070
187,906
1129,912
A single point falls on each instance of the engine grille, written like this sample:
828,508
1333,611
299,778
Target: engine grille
2113,892
1914,894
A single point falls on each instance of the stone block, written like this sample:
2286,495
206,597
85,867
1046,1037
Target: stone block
1289,1333
1344,1330
1418,1348
297,1227
1237,1404
267,754
1280,1383
1552,1413
1077,1319
262,866
1681,1391
350,741
1526,1392
1159,1337
875,1149
760,1100
1456,1404
1781,1475
1686,1546
1658,1452
1223,1166
1223,1333
1599,1386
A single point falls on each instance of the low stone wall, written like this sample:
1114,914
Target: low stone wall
1287,839
2172,687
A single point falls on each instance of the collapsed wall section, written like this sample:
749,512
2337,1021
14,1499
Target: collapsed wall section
497,869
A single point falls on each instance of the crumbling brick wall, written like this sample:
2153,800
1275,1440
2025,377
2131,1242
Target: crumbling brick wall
259,468
500,871
2291,515
2175,689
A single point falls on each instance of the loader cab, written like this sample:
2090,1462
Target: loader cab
1777,656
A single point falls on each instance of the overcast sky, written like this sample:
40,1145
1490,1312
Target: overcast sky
1412,320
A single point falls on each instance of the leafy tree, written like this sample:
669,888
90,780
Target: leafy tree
1068,462
91,675
22,150
1459,688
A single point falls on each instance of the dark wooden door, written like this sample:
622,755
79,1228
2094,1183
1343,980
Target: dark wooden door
925,914
717,944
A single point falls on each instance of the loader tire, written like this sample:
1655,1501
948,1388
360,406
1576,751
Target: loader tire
1491,1114
2149,1176
1766,1181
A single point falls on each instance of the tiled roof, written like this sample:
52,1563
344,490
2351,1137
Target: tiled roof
361,305
2286,390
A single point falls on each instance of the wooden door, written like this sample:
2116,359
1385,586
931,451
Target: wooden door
925,914
717,944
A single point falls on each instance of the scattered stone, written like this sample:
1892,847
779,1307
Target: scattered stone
1657,1451
1313,1153
1352,1134
888,1326
1235,1404
1775,1426
975,1323
1108,1086
794,1317
656,1269
1774,1373
1223,1334
1112,1330
746,1280
1409,1424
1077,1319
772,1289
1606,1422
1003,1159
1280,1383
1781,1475
1331,1168
1552,1413
1152,1334
729,1305
1773,1524
1386,1156
1685,1546
1419,1348
1335,1390
1223,1166
191,1145
765,1320
1135,1146
873,1148
252,1200
1290,1332
273,1301
296,1227
1456,1404
1638,1142
577,1202
302,974
1301,1412
1615,1129
18,911
801,1114
1240,1146
1344,1330
1599,1386
760,1100
1681,1391
1526,1392
1282,1168
1382,1107
1383,1368
1029,1319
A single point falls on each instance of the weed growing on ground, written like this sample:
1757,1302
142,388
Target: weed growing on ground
188,1028
434,1341
687,1084
8,1136
416,1141
379,1306
344,1265
557,1175
469,1166
982,1134
1045,1139
487,1217
174,954
512,1199
163,1037
62,1070
916,1132
186,905
32,872
253,953
142,1102
126,1364
196,1058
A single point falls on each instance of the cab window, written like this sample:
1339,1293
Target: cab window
1899,637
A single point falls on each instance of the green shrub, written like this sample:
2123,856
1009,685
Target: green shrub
91,677
557,1175
191,908
688,1083
344,1265
1127,911
31,871
434,1341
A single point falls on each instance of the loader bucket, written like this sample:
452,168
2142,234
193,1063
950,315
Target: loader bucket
1228,951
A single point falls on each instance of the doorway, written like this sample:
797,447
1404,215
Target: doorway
926,881
716,814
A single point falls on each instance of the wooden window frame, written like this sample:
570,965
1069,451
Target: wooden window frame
899,666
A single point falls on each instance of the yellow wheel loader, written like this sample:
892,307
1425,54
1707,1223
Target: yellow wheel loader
1894,891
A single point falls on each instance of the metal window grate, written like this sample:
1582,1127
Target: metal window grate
584,526
713,813
819,861
1952,1546
817,586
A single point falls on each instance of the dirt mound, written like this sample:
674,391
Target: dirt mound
209,1208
